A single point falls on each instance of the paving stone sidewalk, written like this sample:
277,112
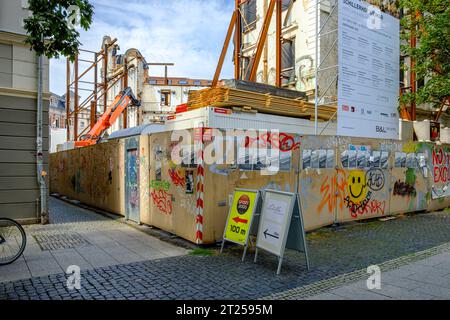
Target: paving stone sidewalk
337,256
77,236
427,279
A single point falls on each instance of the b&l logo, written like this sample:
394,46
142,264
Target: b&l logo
243,204
381,129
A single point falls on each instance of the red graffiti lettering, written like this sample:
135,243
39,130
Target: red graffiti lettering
176,178
162,200
441,162
281,141
366,207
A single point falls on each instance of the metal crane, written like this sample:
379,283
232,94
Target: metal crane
122,101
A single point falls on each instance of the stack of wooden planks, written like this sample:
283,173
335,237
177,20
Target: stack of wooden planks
264,103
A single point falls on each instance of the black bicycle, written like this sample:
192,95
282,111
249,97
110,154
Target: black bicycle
12,241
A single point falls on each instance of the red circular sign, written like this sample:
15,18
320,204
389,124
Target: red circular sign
243,204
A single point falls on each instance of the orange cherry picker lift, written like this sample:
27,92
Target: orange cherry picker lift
122,101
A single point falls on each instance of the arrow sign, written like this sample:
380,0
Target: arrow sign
266,233
237,220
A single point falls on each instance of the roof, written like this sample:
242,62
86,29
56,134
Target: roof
144,129
176,81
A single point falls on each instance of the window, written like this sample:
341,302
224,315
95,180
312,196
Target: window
165,97
182,82
285,4
248,9
152,81
197,82
288,61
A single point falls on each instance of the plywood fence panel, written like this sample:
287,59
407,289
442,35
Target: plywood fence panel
160,188
320,192
409,188
144,178
92,175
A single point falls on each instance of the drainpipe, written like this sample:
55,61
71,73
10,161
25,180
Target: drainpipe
39,149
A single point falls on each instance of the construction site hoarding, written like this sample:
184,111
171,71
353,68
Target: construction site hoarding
338,179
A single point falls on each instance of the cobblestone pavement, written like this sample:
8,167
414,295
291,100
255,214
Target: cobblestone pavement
337,256
76,236
425,280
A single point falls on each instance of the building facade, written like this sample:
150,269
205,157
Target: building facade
159,95
299,47
57,112
19,188
162,95
136,71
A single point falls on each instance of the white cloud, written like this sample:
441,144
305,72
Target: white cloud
189,33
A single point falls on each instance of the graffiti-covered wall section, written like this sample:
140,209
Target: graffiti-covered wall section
237,170
345,179
191,199
438,157
321,187
93,175
409,178
338,179
366,171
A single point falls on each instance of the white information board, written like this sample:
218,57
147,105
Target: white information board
275,220
369,68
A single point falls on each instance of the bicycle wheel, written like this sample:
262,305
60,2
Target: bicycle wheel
12,241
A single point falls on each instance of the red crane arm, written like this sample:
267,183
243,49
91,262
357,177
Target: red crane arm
115,109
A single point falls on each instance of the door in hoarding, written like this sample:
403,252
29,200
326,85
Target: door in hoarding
132,184
369,68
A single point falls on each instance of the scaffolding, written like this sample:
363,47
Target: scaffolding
98,89
326,67
323,14
237,19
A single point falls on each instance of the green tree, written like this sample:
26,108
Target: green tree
430,21
53,22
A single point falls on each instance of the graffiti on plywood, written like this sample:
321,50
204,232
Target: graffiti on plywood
407,187
358,193
440,160
177,179
282,141
375,179
332,191
357,186
404,189
160,185
162,200
367,206
361,186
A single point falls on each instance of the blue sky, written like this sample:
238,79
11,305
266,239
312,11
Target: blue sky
189,33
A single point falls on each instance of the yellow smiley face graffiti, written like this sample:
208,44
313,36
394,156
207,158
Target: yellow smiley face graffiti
357,189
